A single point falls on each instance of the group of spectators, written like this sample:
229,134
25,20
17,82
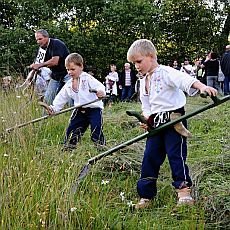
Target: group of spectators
122,86
212,70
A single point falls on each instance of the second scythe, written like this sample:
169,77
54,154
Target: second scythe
49,116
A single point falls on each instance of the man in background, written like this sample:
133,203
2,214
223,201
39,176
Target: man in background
127,82
51,53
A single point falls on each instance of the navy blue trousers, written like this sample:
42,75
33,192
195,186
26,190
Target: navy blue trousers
79,122
126,93
172,144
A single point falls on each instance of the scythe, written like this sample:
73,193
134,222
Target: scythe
85,170
49,116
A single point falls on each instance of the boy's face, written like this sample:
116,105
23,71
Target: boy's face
74,70
143,64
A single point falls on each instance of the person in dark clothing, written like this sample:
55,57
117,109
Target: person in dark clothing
211,66
51,53
127,82
225,67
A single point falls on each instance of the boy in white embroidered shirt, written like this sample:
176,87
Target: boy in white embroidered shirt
161,95
78,88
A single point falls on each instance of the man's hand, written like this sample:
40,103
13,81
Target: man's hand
35,66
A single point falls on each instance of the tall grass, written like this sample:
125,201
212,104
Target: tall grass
37,177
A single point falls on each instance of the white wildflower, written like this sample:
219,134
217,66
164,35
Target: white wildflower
18,96
42,222
122,196
73,209
122,193
130,203
104,182
131,171
5,155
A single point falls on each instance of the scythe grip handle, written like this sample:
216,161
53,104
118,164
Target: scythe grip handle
214,98
137,115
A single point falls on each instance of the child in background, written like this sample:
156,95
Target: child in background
161,94
78,88
6,83
111,84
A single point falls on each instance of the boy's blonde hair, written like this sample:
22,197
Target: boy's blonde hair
142,46
75,58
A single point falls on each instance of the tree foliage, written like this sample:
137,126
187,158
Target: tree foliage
102,30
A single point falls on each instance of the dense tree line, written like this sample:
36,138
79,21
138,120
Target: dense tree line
102,30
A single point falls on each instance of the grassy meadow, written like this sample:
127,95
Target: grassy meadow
37,177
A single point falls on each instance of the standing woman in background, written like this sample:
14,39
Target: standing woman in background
211,66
